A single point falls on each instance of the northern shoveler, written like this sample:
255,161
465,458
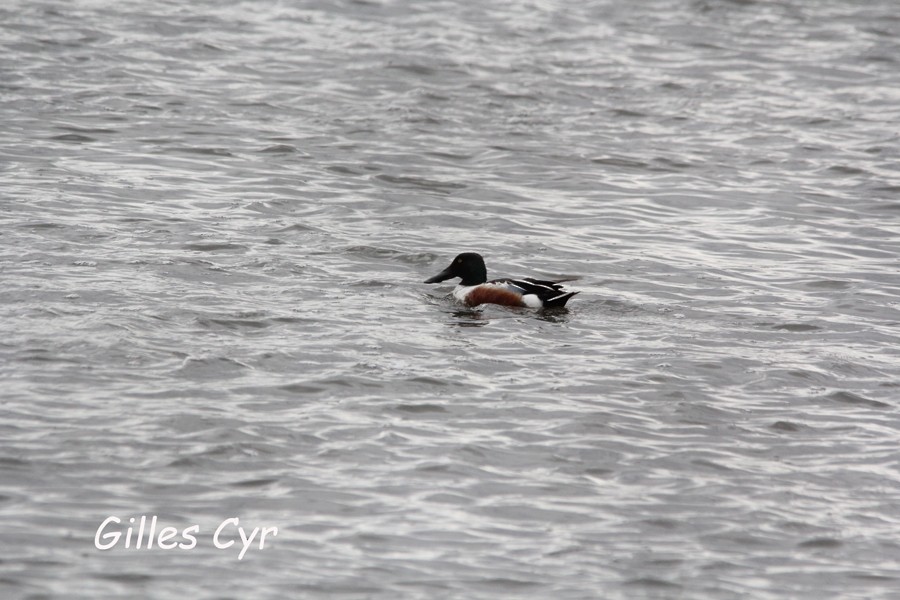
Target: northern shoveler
475,289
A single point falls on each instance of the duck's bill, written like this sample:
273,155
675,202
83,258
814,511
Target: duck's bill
442,276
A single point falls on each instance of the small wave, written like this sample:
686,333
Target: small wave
74,137
214,246
421,183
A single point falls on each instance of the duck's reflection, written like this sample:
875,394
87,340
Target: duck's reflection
479,318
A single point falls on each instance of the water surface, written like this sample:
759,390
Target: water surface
216,217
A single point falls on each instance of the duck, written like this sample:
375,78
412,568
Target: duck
475,289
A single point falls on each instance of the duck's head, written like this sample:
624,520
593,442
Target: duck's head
468,266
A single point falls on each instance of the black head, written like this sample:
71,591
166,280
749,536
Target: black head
469,266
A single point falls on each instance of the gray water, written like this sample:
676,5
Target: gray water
216,218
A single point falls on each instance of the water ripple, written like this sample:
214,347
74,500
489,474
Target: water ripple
217,219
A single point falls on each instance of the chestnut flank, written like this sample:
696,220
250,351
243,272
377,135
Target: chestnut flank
491,295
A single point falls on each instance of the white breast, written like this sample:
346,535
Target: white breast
461,291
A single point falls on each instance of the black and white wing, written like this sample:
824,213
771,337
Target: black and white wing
539,293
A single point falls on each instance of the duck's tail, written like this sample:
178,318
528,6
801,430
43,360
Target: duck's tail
558,301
